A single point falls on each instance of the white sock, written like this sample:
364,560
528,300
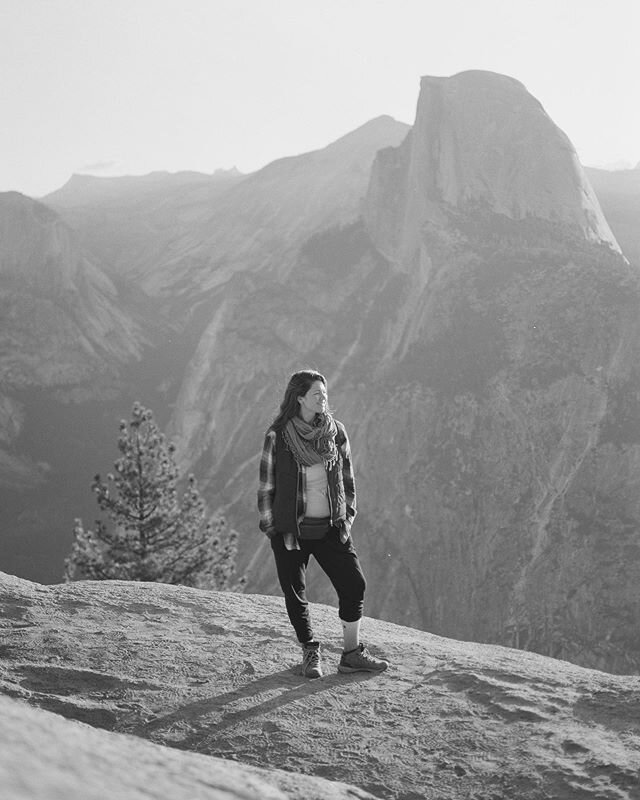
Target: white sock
351,632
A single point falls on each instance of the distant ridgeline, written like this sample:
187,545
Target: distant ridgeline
464,291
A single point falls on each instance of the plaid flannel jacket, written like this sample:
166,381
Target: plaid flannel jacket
266,488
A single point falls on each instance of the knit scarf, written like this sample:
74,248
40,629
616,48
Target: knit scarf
312,442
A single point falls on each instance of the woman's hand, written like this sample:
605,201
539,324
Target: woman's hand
345,530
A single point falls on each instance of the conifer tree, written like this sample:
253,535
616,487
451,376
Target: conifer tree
155,533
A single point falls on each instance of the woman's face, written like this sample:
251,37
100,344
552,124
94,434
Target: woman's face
314,401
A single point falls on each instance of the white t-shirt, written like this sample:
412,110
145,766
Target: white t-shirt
316,492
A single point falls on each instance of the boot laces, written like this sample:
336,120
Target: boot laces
366,656
311,657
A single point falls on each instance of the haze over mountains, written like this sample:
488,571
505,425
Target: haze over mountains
461,284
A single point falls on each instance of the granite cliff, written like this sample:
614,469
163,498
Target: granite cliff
478,325
63,319
128,690
619,193
479,139
65,325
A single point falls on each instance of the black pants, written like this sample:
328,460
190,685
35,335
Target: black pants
340,563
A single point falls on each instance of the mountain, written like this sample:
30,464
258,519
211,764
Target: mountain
462,291
253,217
65,324
506,400
62,316
90,191
480,139
200,691
128,222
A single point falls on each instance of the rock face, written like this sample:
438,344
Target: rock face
479,330
62,318
479,139
619,193
179,670
45,756
64,324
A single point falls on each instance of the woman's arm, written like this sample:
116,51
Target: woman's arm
348,478
267,484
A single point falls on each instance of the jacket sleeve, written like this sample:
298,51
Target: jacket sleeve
348,477
267,486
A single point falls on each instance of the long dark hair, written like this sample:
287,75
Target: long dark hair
299,384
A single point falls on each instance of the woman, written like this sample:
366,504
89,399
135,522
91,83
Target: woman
307,504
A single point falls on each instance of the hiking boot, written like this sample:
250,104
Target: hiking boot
361,660
311,660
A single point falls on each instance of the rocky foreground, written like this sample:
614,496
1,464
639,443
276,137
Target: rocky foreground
142,672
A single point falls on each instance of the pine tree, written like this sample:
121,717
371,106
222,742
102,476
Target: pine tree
155,534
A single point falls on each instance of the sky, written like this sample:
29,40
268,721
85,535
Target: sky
127,87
